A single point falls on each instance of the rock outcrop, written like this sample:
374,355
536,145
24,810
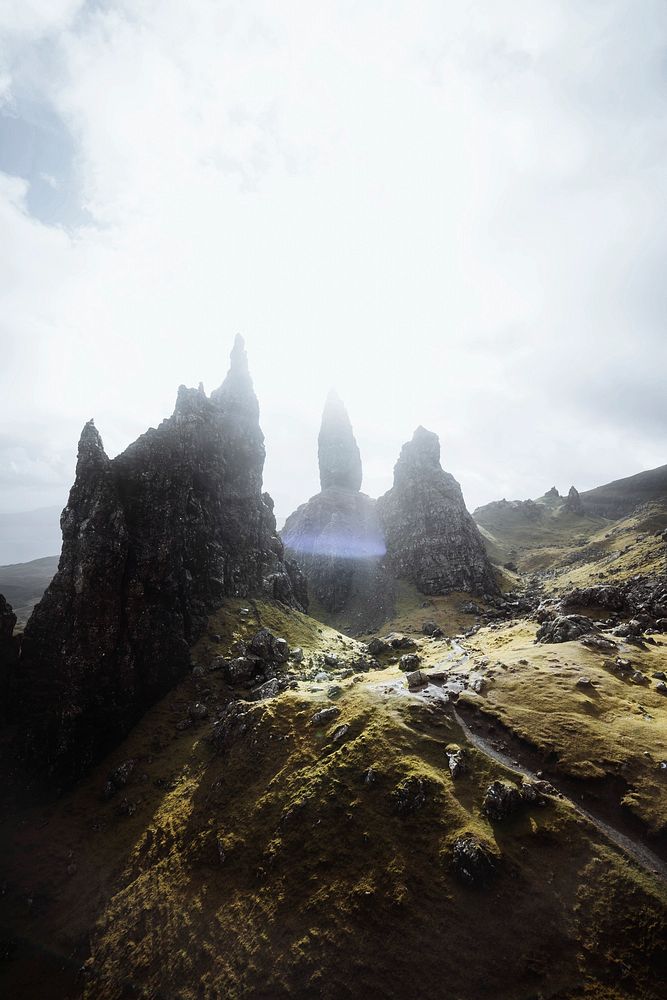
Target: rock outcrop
336,537
153,541
573,502
431,538
8,653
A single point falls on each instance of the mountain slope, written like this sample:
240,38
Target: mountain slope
620,497
293,859
24,583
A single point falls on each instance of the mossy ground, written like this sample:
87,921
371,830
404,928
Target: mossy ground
276,869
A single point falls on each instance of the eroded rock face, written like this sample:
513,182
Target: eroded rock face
573,503
153,541
336,537
431,538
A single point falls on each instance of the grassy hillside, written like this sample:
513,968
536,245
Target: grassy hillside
302,860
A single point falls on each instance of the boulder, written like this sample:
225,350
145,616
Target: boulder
325,716
472,862
411,795
564,628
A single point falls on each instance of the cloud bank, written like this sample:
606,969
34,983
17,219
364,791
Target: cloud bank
453,212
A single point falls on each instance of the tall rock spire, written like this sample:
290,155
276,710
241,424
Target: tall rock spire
338,452
336,538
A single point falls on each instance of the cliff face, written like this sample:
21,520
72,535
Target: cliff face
153,541
336,537
431,538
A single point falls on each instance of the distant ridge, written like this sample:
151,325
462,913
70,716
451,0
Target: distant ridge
29,534
616,499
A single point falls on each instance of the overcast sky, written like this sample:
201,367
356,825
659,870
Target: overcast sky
454,212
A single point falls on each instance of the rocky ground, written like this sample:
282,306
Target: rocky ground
445,807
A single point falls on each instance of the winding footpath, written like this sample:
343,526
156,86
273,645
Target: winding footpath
641,854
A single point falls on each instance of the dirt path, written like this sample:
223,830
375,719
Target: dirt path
643,855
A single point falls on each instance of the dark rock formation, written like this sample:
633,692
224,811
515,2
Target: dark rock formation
573,504
431,538
7,620
153,541
565,628
336,537
9,647
473,862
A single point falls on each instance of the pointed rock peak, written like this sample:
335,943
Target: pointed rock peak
419,455
337,449
91,450
553,492
236,394
239,356
574,504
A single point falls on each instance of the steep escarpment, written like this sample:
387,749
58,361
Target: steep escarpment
153,541
336,537
431,538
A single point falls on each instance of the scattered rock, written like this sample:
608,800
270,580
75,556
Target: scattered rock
339,732
501,800
410,795
232,725
598,642
378,647
197,711
399,641
584,682
416,679
432,629
564,628
456,758
269,689
472,862
409,661
268,647
241,670
324,716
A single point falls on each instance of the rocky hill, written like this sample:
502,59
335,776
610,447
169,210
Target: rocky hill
515,530
353,550
153,541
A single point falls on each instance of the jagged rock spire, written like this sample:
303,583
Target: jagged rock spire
237,393
420,454
91,450
338,452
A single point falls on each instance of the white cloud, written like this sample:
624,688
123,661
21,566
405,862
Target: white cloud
451,211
